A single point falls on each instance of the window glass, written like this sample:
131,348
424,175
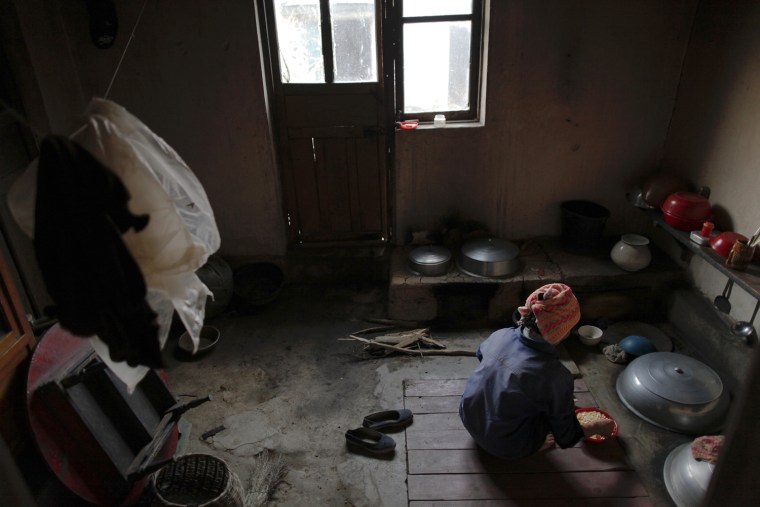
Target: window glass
437,66
300,41
354,47
416,8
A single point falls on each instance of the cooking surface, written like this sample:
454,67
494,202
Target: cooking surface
647,445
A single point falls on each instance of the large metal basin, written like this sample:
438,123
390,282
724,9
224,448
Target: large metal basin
686,478
489,257
675,392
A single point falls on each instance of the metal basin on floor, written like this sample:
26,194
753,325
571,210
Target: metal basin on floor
686,478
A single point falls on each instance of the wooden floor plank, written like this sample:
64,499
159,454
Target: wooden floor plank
427,439
433,404
444,421
612,484
435,387
442,404
558,502
447,469
471,461
439,439
455,387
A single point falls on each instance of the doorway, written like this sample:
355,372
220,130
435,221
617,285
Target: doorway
329,110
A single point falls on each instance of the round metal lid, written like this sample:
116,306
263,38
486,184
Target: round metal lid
677,378
490,250
430,255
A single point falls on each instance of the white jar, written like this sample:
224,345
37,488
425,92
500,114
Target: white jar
632,252
439,120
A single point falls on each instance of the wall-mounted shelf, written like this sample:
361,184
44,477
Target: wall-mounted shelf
748,279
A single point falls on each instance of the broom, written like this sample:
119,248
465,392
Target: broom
266,473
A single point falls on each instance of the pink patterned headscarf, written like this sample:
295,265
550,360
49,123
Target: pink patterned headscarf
556,310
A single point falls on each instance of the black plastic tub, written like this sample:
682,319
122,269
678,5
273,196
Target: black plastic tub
583,225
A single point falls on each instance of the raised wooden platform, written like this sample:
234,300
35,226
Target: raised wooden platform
446,468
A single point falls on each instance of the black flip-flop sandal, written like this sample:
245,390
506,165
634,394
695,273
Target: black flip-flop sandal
389,420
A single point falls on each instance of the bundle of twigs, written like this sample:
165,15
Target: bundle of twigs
267,472
407,341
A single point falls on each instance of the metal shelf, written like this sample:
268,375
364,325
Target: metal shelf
748,279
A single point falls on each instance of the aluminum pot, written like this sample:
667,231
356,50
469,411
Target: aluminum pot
489,257
429,260
686,478
675,392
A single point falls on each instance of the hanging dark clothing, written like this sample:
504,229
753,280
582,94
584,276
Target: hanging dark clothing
81,212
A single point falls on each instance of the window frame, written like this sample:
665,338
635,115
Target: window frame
396,22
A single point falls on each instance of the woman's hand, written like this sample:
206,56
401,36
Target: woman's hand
603,428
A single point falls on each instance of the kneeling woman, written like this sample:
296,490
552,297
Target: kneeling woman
519,400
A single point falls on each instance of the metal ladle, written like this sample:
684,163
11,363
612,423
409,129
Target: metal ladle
745,328
722,302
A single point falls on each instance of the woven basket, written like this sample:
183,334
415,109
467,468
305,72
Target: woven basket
199,480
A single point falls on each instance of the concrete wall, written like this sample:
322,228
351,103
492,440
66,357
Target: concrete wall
580,105
714,138
192,73
579,101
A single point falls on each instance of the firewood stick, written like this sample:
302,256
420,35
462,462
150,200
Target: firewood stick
424,352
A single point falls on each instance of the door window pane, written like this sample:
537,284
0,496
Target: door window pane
415,8
354,47
300,41
437,66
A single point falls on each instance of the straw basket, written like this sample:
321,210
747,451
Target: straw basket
199,480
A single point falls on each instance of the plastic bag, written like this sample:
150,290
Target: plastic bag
181,233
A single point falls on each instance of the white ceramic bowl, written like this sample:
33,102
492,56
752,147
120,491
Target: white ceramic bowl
590,335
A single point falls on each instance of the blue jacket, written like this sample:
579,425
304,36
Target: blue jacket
519,392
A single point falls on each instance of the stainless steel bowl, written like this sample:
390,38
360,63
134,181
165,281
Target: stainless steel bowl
686,478
489,257
430,260
675,392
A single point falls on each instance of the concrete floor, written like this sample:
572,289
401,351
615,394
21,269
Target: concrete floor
282,380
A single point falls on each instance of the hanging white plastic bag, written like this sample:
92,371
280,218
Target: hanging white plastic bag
181,233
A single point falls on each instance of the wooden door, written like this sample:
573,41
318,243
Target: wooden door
331,136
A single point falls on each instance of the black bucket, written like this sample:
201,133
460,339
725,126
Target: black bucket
583,224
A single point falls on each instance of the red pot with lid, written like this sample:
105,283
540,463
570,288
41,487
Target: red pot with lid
686,211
